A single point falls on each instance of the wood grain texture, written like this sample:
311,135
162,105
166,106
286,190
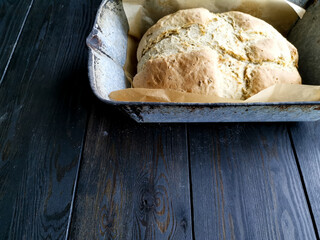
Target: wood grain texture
246,184
12,18
42,120
306,140
133,182
301,3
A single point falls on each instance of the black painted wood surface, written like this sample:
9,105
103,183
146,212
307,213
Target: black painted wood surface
12,20
306,141
245,184
43,119
134,181
301,3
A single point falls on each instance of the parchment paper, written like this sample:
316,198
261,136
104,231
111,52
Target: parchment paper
276,93
142,14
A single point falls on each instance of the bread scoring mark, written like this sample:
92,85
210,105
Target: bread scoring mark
162,36
223,50
247,84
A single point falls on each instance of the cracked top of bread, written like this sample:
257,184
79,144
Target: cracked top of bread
233,55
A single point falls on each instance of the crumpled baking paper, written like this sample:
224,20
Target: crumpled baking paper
276,93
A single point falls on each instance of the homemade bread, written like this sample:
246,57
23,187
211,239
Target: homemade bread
232,55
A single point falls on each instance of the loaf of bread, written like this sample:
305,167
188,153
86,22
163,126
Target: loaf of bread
233,55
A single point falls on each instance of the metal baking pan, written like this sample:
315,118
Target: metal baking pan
107,53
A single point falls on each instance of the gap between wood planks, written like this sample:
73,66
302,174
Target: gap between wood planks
16,42
190,182
303,183
77,175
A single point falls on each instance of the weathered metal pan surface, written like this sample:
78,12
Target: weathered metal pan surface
107,45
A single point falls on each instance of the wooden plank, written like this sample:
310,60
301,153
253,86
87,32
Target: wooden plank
134,181
301,3
245,184
12,18
305,137
42,120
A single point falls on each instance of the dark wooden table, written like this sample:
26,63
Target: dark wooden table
72,167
